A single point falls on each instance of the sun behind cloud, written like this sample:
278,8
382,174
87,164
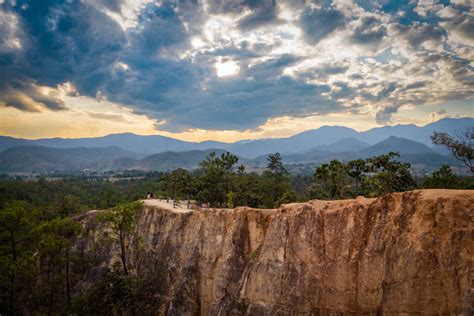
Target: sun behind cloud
227,68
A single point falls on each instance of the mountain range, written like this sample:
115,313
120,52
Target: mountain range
47,159
129,151
308,140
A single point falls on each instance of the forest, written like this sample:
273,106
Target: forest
37,220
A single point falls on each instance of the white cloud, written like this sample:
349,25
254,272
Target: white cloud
9,32
424,7
436,116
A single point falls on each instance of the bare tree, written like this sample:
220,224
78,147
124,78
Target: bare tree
460,147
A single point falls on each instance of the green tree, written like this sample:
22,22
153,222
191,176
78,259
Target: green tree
179,184
113,294
54,248
460,147
212,175
278,172
387,175
17,257
230,200
165,178
442,178
356,169
228,161
68,204
123,219
242,196
331,180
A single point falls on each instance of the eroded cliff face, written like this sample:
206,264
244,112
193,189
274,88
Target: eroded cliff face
406,252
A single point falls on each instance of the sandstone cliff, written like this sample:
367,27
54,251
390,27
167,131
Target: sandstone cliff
404,253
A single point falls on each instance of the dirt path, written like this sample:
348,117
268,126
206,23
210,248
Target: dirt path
168,206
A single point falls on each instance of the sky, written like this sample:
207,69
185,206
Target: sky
231,69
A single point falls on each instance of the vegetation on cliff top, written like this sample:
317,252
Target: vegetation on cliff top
39,268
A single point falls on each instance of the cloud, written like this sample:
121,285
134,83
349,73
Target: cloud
63,42
384,115
369,31
161,27
460,27
262,13
418,34
30,97
425,7
438,115
319,23
10,40
295,58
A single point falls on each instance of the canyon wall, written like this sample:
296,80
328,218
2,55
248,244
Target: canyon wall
404,253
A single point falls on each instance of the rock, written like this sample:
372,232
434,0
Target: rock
404,253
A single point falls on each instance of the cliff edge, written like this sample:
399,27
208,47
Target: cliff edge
408,253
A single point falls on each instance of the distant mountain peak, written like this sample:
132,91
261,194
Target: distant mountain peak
398,144
323,136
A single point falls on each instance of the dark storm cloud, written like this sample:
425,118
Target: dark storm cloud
319,23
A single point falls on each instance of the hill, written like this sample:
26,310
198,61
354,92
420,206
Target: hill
170,160
298,143
397,144
343,145
46,159
410,151
416,133
39,158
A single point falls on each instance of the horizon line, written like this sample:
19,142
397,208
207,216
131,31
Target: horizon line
248,139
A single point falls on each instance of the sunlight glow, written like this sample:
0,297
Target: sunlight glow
227,68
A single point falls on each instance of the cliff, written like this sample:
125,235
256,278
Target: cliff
405,253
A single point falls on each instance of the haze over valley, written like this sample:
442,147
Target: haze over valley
158,153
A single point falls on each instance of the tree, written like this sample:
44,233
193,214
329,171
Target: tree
242,196
460,147
278,171
228,161
230,200
68,204
113,294
333,179
212,174
356,170
55,239
179,183
387,175
166,179
442,178
16,223
123,218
